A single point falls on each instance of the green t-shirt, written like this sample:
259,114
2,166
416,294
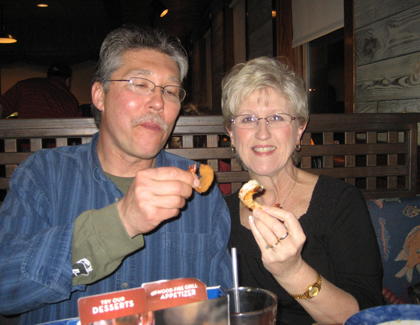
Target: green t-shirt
100,237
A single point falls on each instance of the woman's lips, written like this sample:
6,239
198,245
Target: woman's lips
265,149
151,126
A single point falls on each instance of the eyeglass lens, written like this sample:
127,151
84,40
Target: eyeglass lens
144,87
250,121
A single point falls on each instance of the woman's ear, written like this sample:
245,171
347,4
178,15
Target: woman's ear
232,141
98,95
301,129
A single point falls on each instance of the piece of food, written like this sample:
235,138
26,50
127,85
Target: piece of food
247,192
207,176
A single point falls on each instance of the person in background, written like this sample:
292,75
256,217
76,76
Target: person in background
318,252
117,212
191,109
48,97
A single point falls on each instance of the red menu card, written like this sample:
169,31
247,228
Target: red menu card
138,304
166,294
112,305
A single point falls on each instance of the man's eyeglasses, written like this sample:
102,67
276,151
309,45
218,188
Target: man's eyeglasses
145,87
275,121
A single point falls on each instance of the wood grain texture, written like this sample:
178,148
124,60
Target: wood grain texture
393,36
217,59
260,28
366,107
387,56
284,33
262,40
399,106
396,78
369,11
376,152
349,57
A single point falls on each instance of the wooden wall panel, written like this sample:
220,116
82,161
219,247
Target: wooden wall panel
198,72
363,159
399,106
261,41
217,60
228,43
349,57
387,56
367,107
284,29
260,28
368,11
396,78
391,37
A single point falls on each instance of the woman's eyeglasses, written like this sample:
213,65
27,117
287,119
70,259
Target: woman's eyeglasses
275,121
145,87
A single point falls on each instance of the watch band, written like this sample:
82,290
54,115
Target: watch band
312,291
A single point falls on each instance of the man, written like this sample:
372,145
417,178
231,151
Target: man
42,97
118,212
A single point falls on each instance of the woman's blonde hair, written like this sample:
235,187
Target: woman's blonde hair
260,74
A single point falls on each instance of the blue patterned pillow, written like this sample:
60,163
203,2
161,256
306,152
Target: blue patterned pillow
397,226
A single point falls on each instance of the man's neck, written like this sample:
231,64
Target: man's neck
116,164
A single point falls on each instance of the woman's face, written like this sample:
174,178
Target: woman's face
265,150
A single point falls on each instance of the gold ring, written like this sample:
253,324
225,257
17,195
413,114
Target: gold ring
274,245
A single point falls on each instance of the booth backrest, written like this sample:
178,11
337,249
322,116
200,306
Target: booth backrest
375,152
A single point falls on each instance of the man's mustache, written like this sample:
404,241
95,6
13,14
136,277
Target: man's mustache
150,117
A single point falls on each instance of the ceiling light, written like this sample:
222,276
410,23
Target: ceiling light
4,37
42,5
160,8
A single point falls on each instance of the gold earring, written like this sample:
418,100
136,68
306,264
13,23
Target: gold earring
298,147
233,149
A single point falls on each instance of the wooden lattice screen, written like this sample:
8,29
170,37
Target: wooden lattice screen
375,152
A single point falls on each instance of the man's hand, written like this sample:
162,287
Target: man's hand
157,194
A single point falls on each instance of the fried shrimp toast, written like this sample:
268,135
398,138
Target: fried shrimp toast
207,176
247,192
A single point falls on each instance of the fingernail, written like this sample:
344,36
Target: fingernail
251,219
196,182
257,212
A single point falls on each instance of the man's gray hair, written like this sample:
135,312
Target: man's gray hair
129,38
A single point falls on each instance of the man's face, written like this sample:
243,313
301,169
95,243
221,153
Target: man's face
136,127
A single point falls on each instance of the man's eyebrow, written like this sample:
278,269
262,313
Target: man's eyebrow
175,79
149,73
142,72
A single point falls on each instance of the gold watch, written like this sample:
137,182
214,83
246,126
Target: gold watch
312,291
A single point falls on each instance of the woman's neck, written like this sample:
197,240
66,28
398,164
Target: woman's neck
277,189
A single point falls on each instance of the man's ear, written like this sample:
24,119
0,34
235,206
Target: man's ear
68,82
98,95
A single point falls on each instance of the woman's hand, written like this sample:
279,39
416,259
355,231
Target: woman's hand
280,238
285,263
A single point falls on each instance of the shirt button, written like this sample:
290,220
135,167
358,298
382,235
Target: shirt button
125,285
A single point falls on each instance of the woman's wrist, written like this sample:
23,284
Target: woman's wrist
298,280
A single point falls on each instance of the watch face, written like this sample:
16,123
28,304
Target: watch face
313,291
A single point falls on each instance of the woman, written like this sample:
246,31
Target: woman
318,252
